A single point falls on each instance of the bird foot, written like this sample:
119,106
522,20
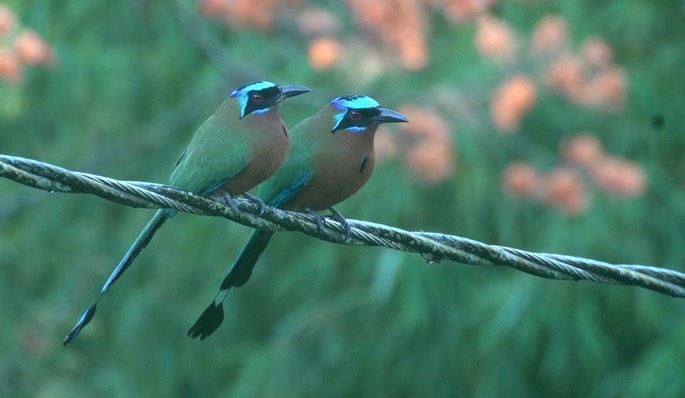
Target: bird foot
225,199
257,201
318,219
336,216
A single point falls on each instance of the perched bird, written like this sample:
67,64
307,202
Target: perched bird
236,148
332,158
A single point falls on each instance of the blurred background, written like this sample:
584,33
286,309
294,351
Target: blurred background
544,125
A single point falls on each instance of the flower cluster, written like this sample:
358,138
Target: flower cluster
20,47
395,34
458,11
565,187
586,77
399,25
321,27
426,144
615,175
495,39
513,99
259,14
397,31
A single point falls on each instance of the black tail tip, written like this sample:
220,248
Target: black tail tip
208,322
85,319
71,336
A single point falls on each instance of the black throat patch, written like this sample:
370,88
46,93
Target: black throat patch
362,163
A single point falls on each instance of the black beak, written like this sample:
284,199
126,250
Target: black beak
291,91
389,116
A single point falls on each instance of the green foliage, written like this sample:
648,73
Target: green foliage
130,85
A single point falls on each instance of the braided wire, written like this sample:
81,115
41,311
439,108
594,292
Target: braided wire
433,247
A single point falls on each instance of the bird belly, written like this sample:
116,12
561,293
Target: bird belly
330,186
255,172
268,154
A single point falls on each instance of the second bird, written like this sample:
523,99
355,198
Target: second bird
238,147
332,158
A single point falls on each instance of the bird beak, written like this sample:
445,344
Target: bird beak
389,116
291,91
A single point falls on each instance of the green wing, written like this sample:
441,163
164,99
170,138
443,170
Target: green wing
216,153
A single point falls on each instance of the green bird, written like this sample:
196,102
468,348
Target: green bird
332,158
242,144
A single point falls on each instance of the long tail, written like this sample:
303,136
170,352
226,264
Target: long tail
143,239
240,272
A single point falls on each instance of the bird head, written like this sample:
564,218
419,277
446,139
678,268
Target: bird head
260,97
356,113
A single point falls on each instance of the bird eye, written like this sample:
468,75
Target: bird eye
256,98
354,115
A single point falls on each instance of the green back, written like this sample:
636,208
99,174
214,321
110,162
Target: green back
217,152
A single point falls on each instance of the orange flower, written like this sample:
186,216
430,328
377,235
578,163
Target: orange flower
519,92
596,52
462,10
399,25
10,66
431,152
606,89
211,7
620,177
589,78
609,87
550,34
564,189
432,162
414,53
316,21
260,14
7,19
324,53
506,118
583,149
513,100
520,179
251,13
385,146
495,38
32,49
426,124
565,74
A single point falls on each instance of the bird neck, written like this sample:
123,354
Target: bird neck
272,116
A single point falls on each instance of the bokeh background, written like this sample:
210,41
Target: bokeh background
550,126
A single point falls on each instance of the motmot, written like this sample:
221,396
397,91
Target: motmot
331,159
242,144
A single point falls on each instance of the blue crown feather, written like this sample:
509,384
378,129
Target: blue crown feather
255,86
348,102
355,102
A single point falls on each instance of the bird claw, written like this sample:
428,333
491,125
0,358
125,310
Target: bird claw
208,322
226,199
318,219
336,216
257,201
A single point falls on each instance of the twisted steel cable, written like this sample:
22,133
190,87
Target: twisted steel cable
433,247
